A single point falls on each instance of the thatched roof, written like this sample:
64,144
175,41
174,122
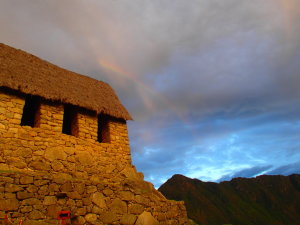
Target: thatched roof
31,75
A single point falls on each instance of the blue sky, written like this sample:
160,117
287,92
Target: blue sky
212,85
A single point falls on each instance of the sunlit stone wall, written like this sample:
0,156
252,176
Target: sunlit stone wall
43,170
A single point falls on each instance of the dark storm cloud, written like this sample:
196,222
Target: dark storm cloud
213,85
292,168
249,172
223,52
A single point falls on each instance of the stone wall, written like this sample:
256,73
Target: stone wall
87,125
50,116
37,197
46,148
98,183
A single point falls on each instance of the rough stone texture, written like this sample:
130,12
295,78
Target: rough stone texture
128,219
89,121
36,214
9,204
51,116
146,219
50,200
98,199
43,171
26,180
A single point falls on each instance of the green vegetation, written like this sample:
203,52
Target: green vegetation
263,200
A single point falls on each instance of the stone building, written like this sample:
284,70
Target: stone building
64,147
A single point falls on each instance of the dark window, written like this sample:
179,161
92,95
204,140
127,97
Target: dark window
31,111
70,124
103,130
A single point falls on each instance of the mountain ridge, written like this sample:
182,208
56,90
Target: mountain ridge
266,199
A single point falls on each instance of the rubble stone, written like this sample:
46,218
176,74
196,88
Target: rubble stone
146,219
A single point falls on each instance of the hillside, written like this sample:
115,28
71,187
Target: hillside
262,200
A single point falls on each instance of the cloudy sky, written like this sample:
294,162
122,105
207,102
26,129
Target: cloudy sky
213,85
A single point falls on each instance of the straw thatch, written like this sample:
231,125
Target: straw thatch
31,75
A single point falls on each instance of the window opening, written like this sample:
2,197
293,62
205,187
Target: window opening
70,121
31,111
103,131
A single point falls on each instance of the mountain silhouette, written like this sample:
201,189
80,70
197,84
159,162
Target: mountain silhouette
264,200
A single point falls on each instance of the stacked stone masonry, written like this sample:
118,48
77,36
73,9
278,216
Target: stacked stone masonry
43,171
87,125
50,116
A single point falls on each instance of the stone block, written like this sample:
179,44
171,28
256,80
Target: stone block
12,188
43,190
4,167
55,153
61,202
78,220
31,201
74,195
57,166
52,210
26,180
2,126
13,130
126,195
71,159
108,217
107,192
36,215
84,158
9,195
9,204
18,100
16,162
61,178
146,218
49,200
71,203
39,165
24,195
40,182
6,179
98,199
80,211
128,219
135,209
79,187
96,210
118,206
66,187
95,179
53,187
26,209
23,152
69,151
37,222
91,189
86,201
91,218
